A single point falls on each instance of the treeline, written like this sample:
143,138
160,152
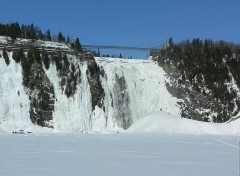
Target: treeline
213,59
205,66
14,30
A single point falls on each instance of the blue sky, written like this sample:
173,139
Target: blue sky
143,23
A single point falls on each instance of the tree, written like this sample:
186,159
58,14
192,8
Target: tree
5,56
32,32
170,42
39,33
60,37
78,45
120,55
48,35
14,30
68,39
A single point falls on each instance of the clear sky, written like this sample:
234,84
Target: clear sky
143,23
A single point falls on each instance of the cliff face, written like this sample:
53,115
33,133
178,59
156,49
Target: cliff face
205,76
41,96
68,91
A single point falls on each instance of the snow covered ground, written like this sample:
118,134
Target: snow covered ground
117,155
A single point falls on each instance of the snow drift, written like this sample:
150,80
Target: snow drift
165,123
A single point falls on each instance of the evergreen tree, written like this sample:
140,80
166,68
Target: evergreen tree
14,30
32,32
120,55
170,42
78,45
48,35
68,39
60,37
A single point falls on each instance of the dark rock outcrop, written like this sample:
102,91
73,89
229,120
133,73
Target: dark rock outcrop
69,74
121,103
41,96
93,74
205,76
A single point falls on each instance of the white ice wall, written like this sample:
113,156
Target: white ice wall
14,108
145,82
71,114
145,85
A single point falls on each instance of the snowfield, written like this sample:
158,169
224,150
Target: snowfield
158,144
118,155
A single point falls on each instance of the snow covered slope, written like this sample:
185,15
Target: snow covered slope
165,123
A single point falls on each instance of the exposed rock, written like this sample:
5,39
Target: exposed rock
204,77
93,75
41,95
121,103
69,74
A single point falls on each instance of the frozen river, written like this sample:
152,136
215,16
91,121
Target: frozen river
118,155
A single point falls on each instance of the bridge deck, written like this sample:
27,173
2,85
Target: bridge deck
120,48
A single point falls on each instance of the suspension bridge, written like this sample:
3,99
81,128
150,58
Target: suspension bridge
121,48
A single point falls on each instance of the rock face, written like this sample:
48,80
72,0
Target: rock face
122,105
68,72
41,96
93,75
77,92
205,76
39,89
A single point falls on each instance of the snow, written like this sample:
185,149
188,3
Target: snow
159,143
165,123
20,41
71,114
145,83
53,44
117,155
144,80
4,40
14,108
145,88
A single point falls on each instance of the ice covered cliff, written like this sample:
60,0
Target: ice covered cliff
81,93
